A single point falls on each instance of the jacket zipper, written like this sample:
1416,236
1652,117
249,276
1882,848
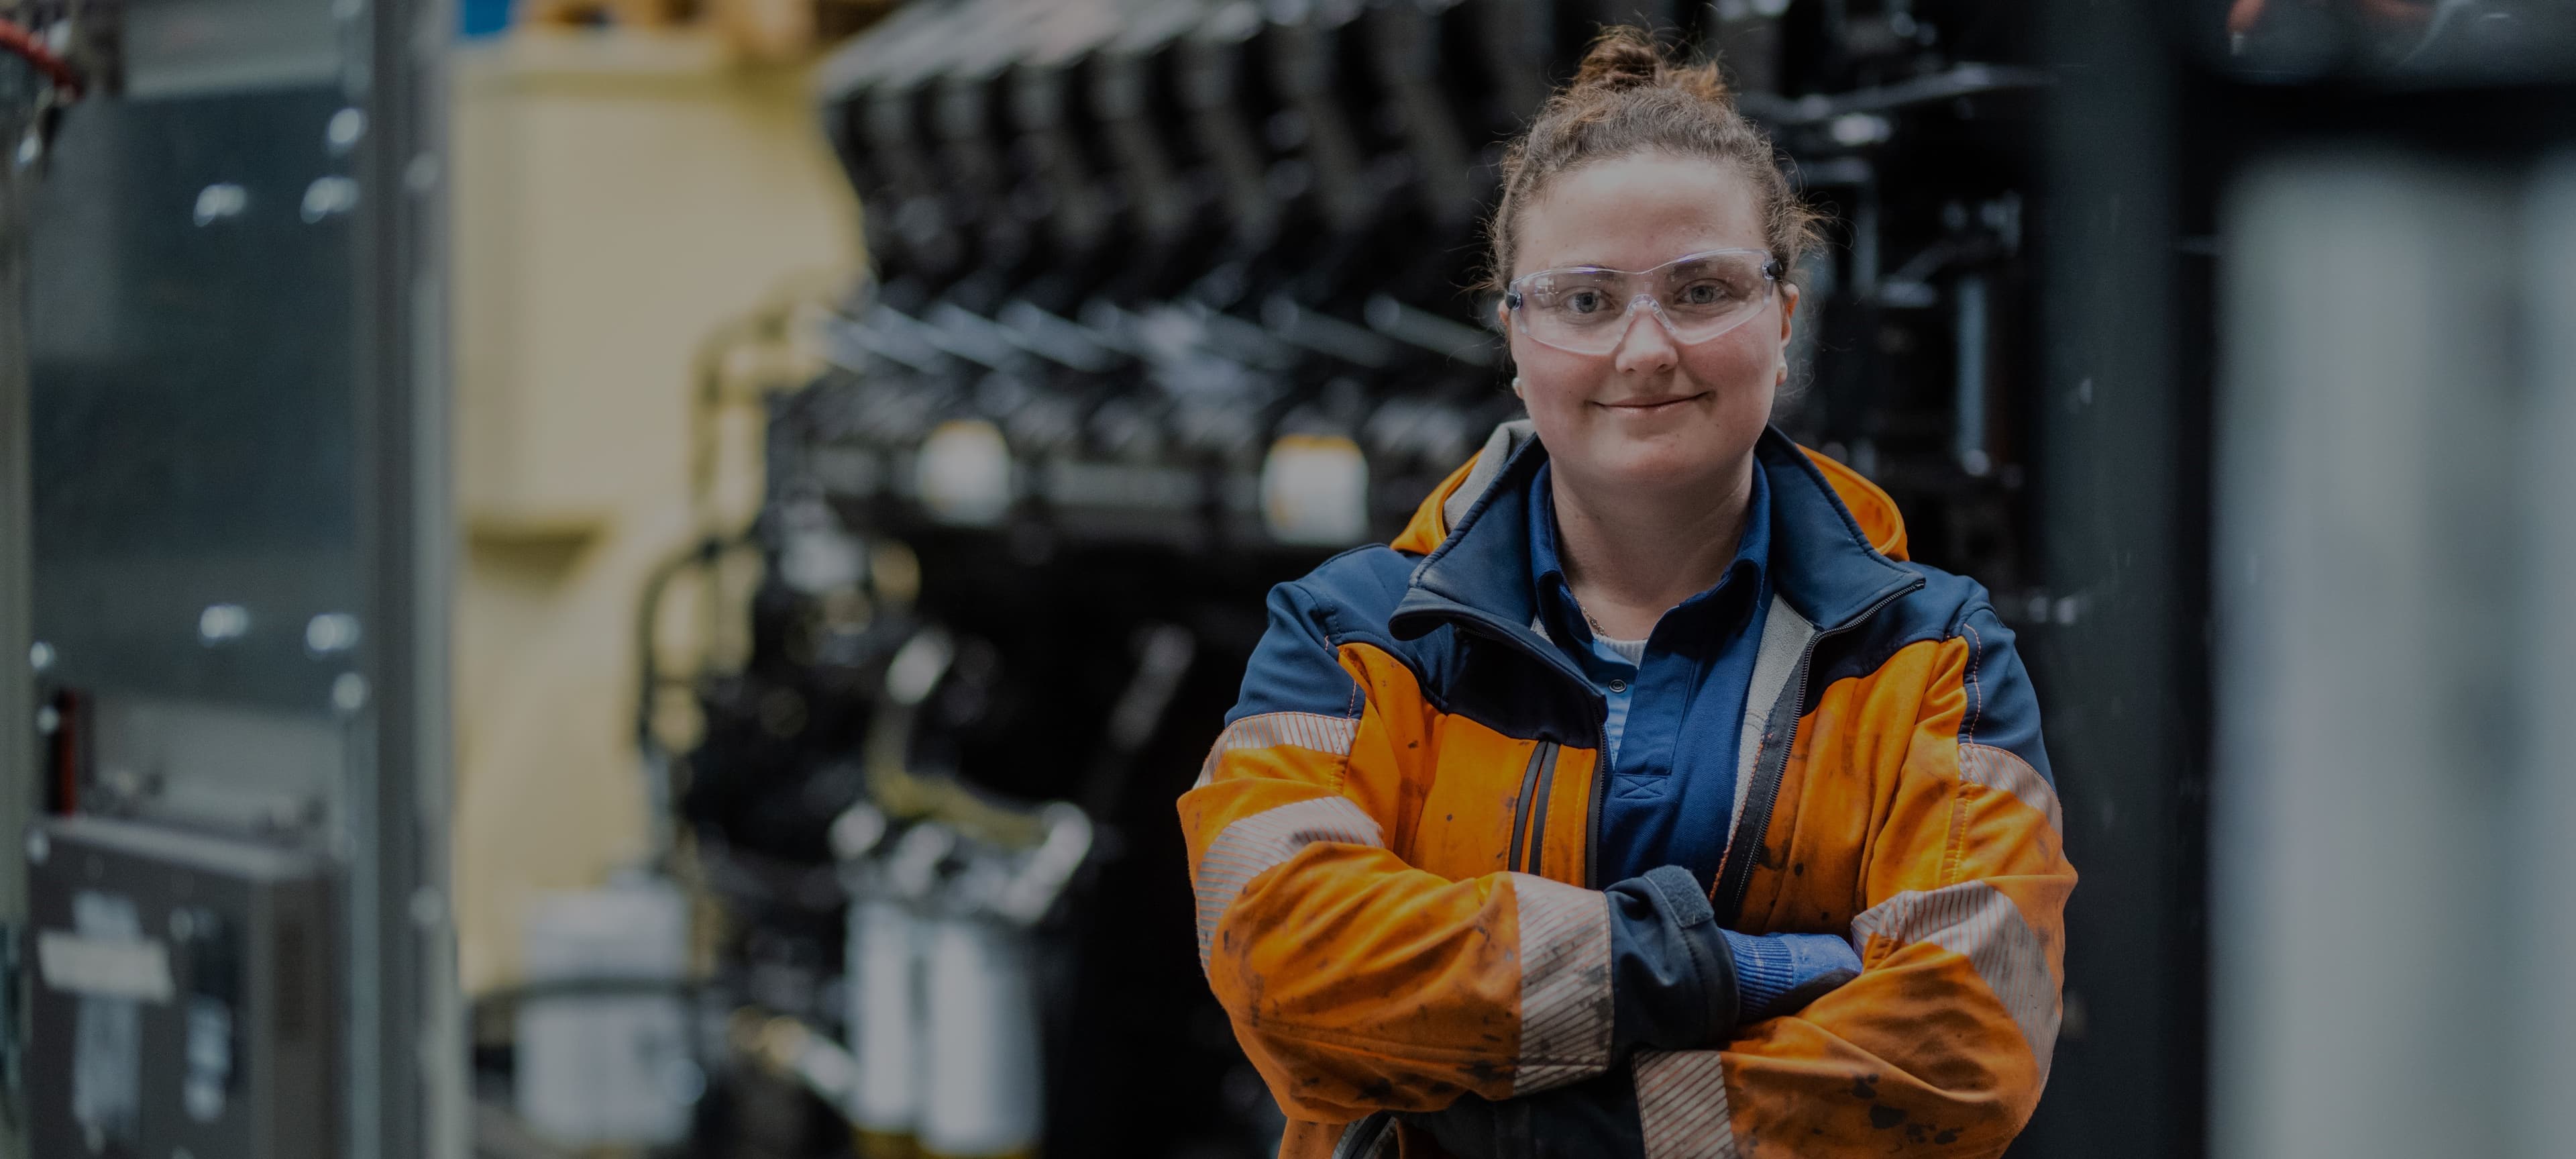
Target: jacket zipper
1592,813
1520,808
1537,862
1765,793
1493,628
1759,801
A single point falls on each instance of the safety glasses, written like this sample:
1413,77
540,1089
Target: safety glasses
1586,309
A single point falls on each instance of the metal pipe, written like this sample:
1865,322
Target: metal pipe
1968,386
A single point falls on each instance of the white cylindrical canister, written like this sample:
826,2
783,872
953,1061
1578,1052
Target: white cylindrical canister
885,1017
983,1097
610,1068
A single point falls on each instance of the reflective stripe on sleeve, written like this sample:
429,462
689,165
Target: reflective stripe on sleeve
1255,844
1977,922
1313,731
1372,1137
1681,1105
2002,769
1565,983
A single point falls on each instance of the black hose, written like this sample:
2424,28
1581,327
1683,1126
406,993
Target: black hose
705,554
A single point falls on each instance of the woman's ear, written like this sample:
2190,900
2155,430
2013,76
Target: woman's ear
1788,312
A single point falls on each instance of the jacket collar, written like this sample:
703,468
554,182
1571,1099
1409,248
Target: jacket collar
1821,561
1563,619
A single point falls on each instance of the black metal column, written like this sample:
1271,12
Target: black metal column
2122,663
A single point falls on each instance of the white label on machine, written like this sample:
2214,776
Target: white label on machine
107,1032
132,968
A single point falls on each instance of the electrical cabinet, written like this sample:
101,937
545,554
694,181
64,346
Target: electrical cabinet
183,998
236,575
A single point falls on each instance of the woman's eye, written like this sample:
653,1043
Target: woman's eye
1583,301
1703,294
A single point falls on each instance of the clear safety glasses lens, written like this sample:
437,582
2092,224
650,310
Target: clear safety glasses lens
1586,309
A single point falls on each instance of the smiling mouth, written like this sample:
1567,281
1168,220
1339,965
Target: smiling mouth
1653,406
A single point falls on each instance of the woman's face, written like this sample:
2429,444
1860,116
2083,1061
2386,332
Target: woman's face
1651,414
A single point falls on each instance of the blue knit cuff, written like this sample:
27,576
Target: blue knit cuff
1780,973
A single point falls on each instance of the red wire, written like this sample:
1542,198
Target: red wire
67,755
15,38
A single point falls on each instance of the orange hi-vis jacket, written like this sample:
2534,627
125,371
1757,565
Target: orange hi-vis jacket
1392,847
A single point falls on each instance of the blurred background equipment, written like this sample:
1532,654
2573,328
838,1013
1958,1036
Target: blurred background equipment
1169,301
827,650
186,981
228,517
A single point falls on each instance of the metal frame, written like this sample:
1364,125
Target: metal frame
18,776
405,1048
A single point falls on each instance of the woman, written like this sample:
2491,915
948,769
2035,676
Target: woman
1640,798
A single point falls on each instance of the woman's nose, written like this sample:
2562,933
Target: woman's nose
1646,347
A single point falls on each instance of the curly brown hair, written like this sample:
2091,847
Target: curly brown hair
1630,97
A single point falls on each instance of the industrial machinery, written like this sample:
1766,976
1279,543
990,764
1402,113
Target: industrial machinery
1171,299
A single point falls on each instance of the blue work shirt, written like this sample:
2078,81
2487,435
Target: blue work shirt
1676,717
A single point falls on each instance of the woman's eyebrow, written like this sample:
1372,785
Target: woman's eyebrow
1605,267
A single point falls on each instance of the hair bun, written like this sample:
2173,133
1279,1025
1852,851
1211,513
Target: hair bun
1625,57
1620,58
1633,96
